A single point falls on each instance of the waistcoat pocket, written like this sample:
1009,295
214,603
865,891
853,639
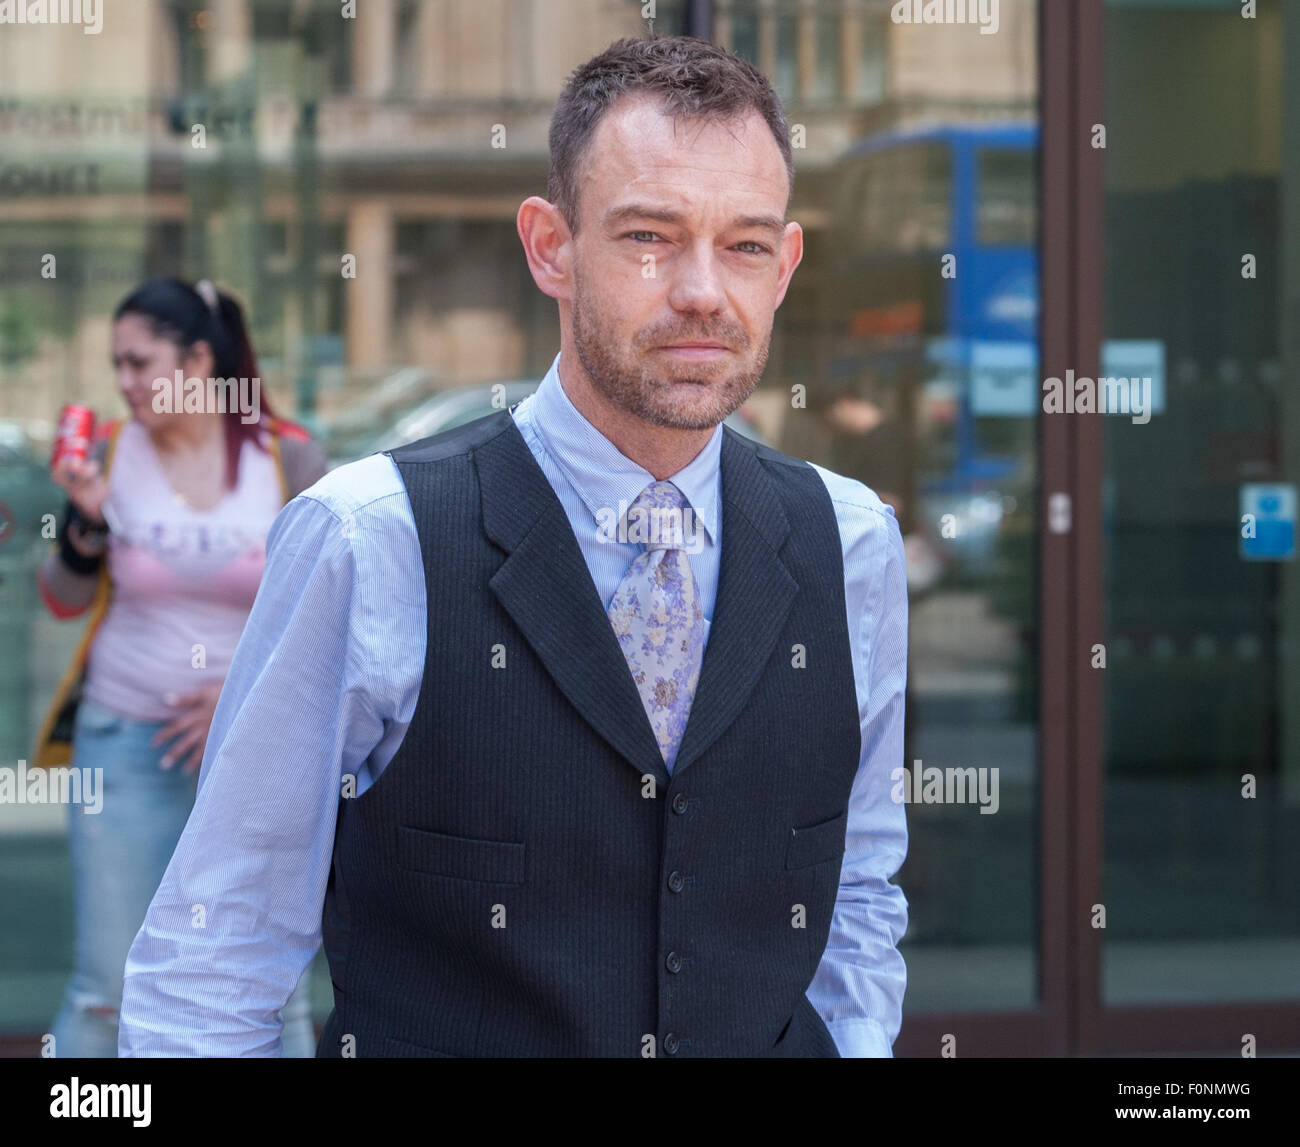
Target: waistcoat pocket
460,857
400,1049
817,842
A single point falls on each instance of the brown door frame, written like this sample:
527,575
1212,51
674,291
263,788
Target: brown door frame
1080,349
1060,146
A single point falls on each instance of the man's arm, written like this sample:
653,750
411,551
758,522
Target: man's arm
859,984
237,916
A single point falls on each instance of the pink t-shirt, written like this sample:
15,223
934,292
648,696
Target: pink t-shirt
183,579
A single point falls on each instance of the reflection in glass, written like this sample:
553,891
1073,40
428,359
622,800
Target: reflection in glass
1202,812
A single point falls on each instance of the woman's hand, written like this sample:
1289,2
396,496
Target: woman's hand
87,488
189,729
84,483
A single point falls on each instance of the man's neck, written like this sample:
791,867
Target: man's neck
663,450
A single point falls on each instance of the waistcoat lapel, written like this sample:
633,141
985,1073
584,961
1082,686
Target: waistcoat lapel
755,592
545,586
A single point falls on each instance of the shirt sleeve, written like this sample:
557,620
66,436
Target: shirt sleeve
236,918
859,985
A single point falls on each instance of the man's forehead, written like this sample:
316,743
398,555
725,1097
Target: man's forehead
638,138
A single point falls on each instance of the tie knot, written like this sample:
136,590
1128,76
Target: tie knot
656,517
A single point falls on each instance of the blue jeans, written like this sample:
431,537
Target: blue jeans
119,856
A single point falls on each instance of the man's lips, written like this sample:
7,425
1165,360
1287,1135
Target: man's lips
695,352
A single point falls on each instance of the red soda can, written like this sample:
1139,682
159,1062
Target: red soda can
72,440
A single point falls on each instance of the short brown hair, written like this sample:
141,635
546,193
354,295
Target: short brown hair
695,80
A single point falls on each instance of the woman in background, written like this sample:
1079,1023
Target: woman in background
163,540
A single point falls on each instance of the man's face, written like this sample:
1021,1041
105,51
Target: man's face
681,258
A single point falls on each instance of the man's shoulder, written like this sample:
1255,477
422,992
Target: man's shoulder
844,491
375,483
849,492
455,442
352,488
863,517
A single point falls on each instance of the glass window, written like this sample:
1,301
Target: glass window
412,190
1202,742
924,391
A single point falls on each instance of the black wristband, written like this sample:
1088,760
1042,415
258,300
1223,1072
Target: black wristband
73,558
83,523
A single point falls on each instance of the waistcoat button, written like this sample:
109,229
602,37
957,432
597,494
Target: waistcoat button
673,962
679,803
676,881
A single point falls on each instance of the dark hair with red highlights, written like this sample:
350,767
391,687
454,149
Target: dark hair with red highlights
177,312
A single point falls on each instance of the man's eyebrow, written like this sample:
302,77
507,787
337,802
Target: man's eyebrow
630,211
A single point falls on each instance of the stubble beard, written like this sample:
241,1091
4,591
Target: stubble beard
640,390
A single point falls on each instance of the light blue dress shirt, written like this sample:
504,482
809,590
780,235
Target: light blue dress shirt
323,685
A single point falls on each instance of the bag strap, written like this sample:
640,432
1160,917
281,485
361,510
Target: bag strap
273,446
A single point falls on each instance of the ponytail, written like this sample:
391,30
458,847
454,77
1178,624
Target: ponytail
229,317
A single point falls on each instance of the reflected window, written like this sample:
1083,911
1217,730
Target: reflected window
744,30
828,78
1007,210
873,61
903,199
786,80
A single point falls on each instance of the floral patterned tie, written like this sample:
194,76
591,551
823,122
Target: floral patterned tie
657,617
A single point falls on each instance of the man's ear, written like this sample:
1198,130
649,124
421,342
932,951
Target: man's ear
548,246
791,257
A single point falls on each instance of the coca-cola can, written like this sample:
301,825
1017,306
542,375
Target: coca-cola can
72,440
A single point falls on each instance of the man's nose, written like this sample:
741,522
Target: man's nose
697,281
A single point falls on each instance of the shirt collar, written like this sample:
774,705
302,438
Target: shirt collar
602,474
